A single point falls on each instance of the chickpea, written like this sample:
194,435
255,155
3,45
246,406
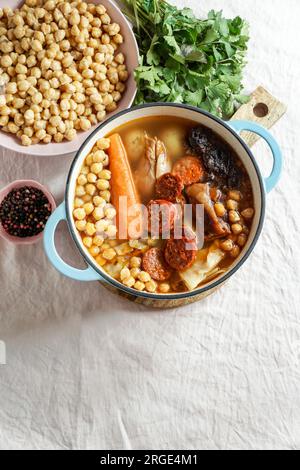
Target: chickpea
124,274
98,241
105,174
110,213
140,286
234,216
129,282
98,213
151,286
80,190
164,288
6,61
103,185
98,201
88,207
90,189
237,229
232,205
227,245
111,231
70,134
97,169
144,276
235,252
235,195
109,254
80,225
242,240
90,229
79,214
248,213
87,241
92,178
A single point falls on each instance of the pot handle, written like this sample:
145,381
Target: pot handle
88,274
272,180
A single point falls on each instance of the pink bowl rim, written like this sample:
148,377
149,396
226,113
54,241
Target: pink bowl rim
19,184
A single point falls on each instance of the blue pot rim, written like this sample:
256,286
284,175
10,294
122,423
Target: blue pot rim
200,290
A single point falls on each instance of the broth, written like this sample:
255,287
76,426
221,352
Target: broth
168,161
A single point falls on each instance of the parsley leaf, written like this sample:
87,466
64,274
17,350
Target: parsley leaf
189,60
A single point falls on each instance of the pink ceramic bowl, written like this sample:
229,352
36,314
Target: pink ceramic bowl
131,52
20,184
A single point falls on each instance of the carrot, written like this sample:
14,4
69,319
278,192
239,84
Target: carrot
122,184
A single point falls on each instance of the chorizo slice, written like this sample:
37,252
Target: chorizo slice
181,253
189,169
154,264
169,187
161,217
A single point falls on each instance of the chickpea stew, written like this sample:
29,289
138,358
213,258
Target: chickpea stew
60,69
166,163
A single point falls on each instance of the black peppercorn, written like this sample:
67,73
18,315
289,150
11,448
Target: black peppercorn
24,212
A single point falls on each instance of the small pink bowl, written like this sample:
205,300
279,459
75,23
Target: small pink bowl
16,185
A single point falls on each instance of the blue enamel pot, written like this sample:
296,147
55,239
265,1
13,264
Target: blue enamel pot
230,133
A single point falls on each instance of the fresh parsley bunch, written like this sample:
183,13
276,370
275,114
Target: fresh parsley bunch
187,60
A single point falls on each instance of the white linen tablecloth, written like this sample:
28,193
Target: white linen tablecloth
86,369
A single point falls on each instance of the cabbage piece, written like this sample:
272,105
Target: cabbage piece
163,161
206,261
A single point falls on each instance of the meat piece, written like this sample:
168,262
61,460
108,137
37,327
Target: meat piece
200,140
200,193
181,253
161,217
216,156
169,187
189,169
163,162
145,175
154,264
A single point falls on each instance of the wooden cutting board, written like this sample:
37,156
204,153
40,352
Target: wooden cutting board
263,108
